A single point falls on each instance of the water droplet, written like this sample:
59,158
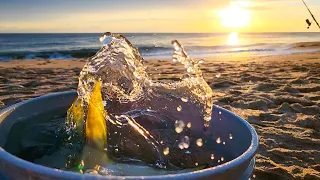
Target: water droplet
179,108
196,164
222,159
220,112
218,75
166,151
224,143
230,136
179,126
116,150
180,145
190,70
218,140
185,145
189,125
212,156
161,142
184,99
199,142
185,142
200,62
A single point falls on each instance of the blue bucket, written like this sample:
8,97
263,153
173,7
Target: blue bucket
243,147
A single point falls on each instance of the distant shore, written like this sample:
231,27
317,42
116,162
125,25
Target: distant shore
278,94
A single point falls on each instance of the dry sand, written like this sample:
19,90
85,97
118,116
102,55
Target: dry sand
279,95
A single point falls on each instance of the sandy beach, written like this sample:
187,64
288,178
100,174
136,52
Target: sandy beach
279,95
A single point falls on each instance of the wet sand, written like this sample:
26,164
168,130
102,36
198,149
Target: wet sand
279,95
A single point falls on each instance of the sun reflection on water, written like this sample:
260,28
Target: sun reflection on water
233,39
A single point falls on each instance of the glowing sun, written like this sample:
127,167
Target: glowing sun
235,16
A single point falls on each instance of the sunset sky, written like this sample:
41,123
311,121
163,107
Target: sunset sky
156,15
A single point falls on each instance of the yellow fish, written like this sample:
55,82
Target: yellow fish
95,128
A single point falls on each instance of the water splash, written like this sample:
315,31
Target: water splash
140,112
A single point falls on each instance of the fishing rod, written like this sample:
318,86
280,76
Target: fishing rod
309,23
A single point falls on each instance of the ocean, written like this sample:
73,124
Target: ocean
152,45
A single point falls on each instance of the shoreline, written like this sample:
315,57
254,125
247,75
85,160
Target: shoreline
79,62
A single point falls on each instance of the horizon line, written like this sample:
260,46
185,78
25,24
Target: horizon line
153,32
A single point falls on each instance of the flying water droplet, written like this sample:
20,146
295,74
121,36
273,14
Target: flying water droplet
185,145
199,142
180,145
184,99
185,142
179,126
230,136
200,62
212,157
218,140
166,151
189,125
179,108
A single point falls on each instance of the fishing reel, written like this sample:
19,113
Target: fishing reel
308,22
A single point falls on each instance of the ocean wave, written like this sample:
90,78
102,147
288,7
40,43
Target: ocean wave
250,50
144,50
66,54
305,45
154,47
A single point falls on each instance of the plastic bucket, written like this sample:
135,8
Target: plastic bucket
243,147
